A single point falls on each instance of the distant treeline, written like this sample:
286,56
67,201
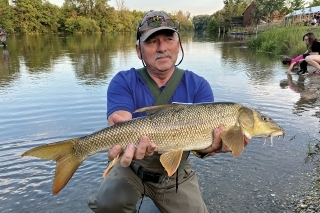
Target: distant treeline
87,16
84,16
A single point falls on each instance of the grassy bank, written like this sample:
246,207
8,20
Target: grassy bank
283,41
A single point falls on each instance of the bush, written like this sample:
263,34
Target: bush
81,24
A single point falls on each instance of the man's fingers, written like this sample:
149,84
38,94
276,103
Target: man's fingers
114,152
127,155
142,148
225,148
216,144
150,149
246,141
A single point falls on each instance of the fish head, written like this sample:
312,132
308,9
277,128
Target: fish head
254,124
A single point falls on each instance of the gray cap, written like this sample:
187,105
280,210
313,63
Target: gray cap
155,21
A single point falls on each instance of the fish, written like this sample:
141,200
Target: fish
174,128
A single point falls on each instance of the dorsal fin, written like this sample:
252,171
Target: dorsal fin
154,109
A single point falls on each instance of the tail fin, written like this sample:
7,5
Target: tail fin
62,153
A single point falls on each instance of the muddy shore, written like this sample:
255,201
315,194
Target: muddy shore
308,198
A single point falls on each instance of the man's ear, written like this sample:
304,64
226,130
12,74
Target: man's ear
138,51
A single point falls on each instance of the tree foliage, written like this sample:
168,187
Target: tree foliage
314,3
74,16
201,22
265,8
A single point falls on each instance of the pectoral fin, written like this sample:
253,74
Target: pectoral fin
171,161
234,139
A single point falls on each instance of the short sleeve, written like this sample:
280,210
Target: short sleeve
119,95
204,92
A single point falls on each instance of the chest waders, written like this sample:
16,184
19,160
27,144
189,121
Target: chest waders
161,97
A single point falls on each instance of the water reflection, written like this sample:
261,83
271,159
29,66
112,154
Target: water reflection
5,53
9,69
90,56
307,86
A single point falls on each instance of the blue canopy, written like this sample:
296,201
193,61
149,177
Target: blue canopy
304,11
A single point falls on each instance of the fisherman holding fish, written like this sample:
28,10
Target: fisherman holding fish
140,172
149,140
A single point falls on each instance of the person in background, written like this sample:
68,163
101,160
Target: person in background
314,21
3,37
139,172
313,58
295,61
313,48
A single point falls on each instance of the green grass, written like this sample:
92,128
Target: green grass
282,40
311,151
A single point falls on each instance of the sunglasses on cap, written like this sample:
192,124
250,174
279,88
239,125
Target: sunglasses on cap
156,21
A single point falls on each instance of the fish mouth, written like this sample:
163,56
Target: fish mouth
278,133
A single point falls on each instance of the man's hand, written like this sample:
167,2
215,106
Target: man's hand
217,145
143,149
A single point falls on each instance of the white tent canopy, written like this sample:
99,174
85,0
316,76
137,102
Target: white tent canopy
310,10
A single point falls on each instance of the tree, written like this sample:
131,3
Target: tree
213,25
266,8
200,22
6,16
297,4
183,19
26,16
50,18
315,3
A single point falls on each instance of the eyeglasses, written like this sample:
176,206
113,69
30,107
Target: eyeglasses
157,21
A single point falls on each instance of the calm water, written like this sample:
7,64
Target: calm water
54,88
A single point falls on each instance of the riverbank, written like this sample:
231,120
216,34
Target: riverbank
308,198
286,41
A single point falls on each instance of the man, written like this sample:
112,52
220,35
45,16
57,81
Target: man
140,172
3,37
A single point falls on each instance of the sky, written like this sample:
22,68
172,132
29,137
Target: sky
200,7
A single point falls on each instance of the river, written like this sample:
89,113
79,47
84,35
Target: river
53,87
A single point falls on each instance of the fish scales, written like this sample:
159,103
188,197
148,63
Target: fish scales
184,126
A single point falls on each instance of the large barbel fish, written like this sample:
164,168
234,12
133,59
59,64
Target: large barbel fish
173,127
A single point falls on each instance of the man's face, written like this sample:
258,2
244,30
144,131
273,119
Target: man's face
160,51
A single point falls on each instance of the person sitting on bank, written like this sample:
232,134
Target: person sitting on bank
140,172
313,48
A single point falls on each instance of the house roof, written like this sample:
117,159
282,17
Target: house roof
252,3
304,11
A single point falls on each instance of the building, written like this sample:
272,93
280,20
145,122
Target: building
249,18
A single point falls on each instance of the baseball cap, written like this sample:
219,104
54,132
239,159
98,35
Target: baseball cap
155,21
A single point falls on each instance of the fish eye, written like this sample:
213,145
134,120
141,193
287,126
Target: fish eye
264,118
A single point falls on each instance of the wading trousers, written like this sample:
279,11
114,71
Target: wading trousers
122,188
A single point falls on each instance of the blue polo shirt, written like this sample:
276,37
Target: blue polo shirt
127,91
